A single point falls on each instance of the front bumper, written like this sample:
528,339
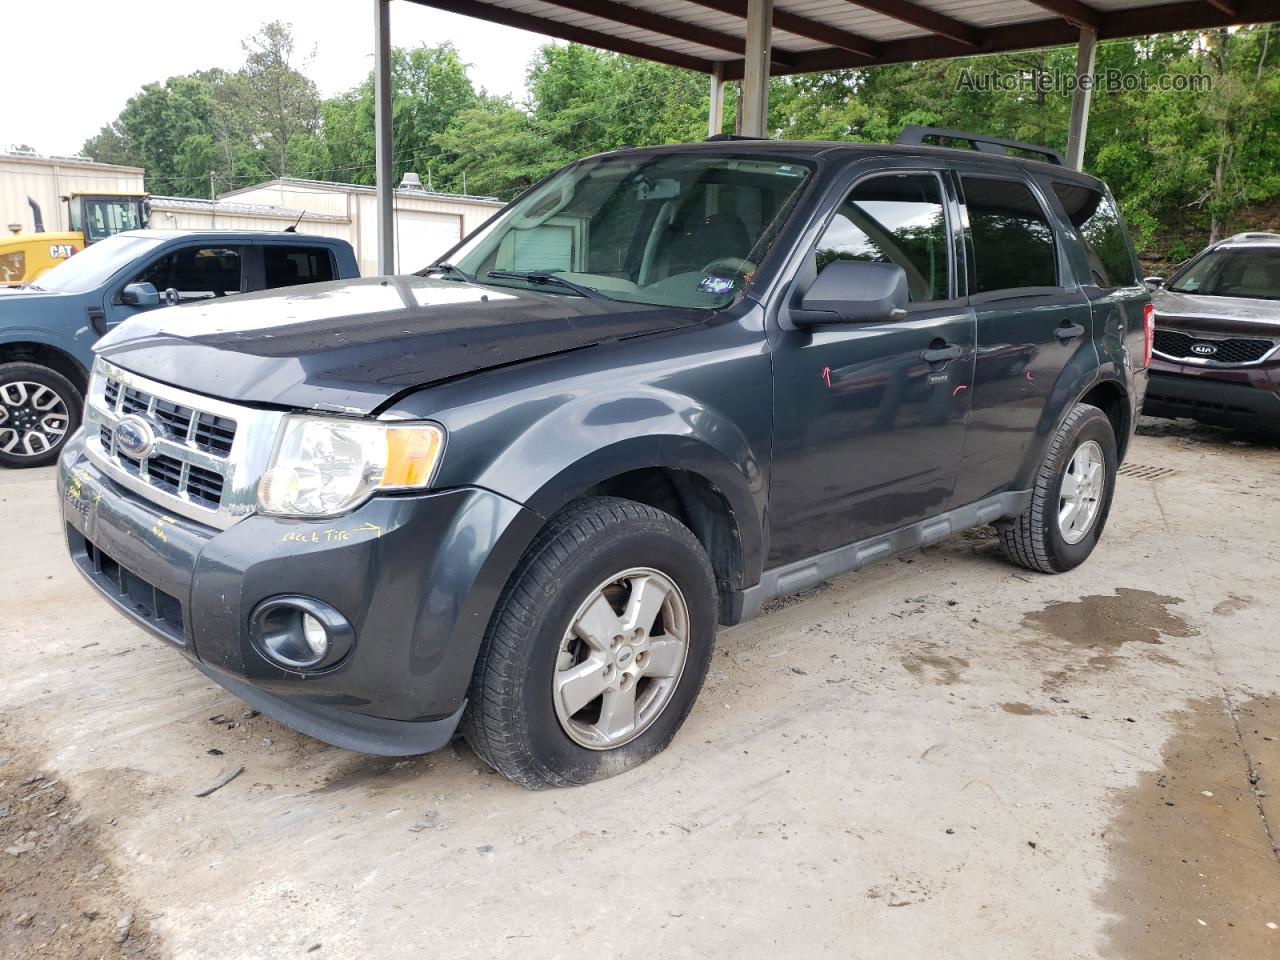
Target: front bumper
1247,398
416,576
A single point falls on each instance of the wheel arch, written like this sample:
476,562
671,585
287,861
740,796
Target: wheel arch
56,359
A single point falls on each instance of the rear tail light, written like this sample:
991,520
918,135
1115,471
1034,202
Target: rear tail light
1148,333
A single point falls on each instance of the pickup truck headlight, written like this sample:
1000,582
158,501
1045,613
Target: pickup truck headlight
322,467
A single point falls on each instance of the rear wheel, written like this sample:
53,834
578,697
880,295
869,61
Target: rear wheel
1071,497
597,648
39,410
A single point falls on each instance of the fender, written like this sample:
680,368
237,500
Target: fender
1077,378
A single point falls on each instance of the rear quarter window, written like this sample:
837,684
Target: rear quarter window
1097,221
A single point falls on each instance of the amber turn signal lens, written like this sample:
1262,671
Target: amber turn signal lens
412,453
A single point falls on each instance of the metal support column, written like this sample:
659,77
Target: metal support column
715,114
382,135
1085,53
755,81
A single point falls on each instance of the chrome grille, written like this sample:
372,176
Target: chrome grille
1178,345
205,430
207,456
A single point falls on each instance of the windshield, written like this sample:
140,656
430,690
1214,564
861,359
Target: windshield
1227,272
95,265
676,230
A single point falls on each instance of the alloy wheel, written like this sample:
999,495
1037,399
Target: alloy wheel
1081,495
33,418
621,659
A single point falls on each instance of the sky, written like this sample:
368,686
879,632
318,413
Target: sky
85,58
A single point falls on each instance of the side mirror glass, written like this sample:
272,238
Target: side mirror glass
140,295
1153,282
854,291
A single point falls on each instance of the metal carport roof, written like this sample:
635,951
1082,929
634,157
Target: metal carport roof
813,35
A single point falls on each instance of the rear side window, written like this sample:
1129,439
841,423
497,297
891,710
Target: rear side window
1010,240
898,219
1097,221
285,266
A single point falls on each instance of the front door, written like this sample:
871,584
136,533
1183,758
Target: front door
869,418
1032,320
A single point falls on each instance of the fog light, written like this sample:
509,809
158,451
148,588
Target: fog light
314,633
300,633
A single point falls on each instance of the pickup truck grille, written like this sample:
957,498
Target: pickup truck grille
207,455
1177,345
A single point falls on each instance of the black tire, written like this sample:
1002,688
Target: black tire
1034,539
511,720
15,418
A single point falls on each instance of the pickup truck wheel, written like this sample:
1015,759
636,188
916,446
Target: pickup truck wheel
39,410
1070,499
597,648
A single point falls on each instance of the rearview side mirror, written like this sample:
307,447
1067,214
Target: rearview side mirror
140,295
854,291
1153,282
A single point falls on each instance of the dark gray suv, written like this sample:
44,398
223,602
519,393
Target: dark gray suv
518,491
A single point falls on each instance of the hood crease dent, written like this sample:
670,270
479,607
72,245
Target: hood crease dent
354,345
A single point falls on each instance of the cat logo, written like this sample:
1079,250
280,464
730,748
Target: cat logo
60,251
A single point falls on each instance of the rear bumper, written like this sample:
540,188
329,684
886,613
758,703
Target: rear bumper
1236,398
417,578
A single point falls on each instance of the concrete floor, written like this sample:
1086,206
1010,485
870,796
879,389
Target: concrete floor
942,756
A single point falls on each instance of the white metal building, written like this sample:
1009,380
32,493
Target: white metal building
46,179
426,224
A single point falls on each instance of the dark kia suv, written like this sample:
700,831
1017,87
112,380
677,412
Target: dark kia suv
1217,345
517,491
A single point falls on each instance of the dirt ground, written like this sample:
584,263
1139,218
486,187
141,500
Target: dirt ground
942,756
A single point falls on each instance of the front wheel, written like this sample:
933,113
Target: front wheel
1071,497
39,410
597,648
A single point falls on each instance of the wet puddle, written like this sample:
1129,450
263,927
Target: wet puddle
1193,869
1109,622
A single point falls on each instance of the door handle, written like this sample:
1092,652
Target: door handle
941,354
1069,331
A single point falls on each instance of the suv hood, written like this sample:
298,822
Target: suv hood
1233,315
352,345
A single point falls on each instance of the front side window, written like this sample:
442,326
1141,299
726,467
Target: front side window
197,273
285,266
683,230
1097,221
898,219
1227,272
1010,240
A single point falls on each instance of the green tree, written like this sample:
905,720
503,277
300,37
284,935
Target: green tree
280,104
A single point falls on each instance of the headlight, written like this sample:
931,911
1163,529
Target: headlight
323,467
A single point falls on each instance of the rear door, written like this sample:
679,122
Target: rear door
868,427
1032,318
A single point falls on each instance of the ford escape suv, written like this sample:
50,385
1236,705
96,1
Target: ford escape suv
1217,341
517,491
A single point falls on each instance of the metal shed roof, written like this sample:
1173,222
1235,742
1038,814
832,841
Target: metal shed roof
812,35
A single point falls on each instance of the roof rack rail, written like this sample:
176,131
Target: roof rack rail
917,135
1254,235
717,137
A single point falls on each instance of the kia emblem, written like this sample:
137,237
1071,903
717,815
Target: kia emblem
1204,349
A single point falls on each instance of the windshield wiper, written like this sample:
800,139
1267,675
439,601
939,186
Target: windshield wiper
449,268
535,276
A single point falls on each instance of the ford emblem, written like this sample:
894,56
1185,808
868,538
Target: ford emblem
134,437
1204,349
